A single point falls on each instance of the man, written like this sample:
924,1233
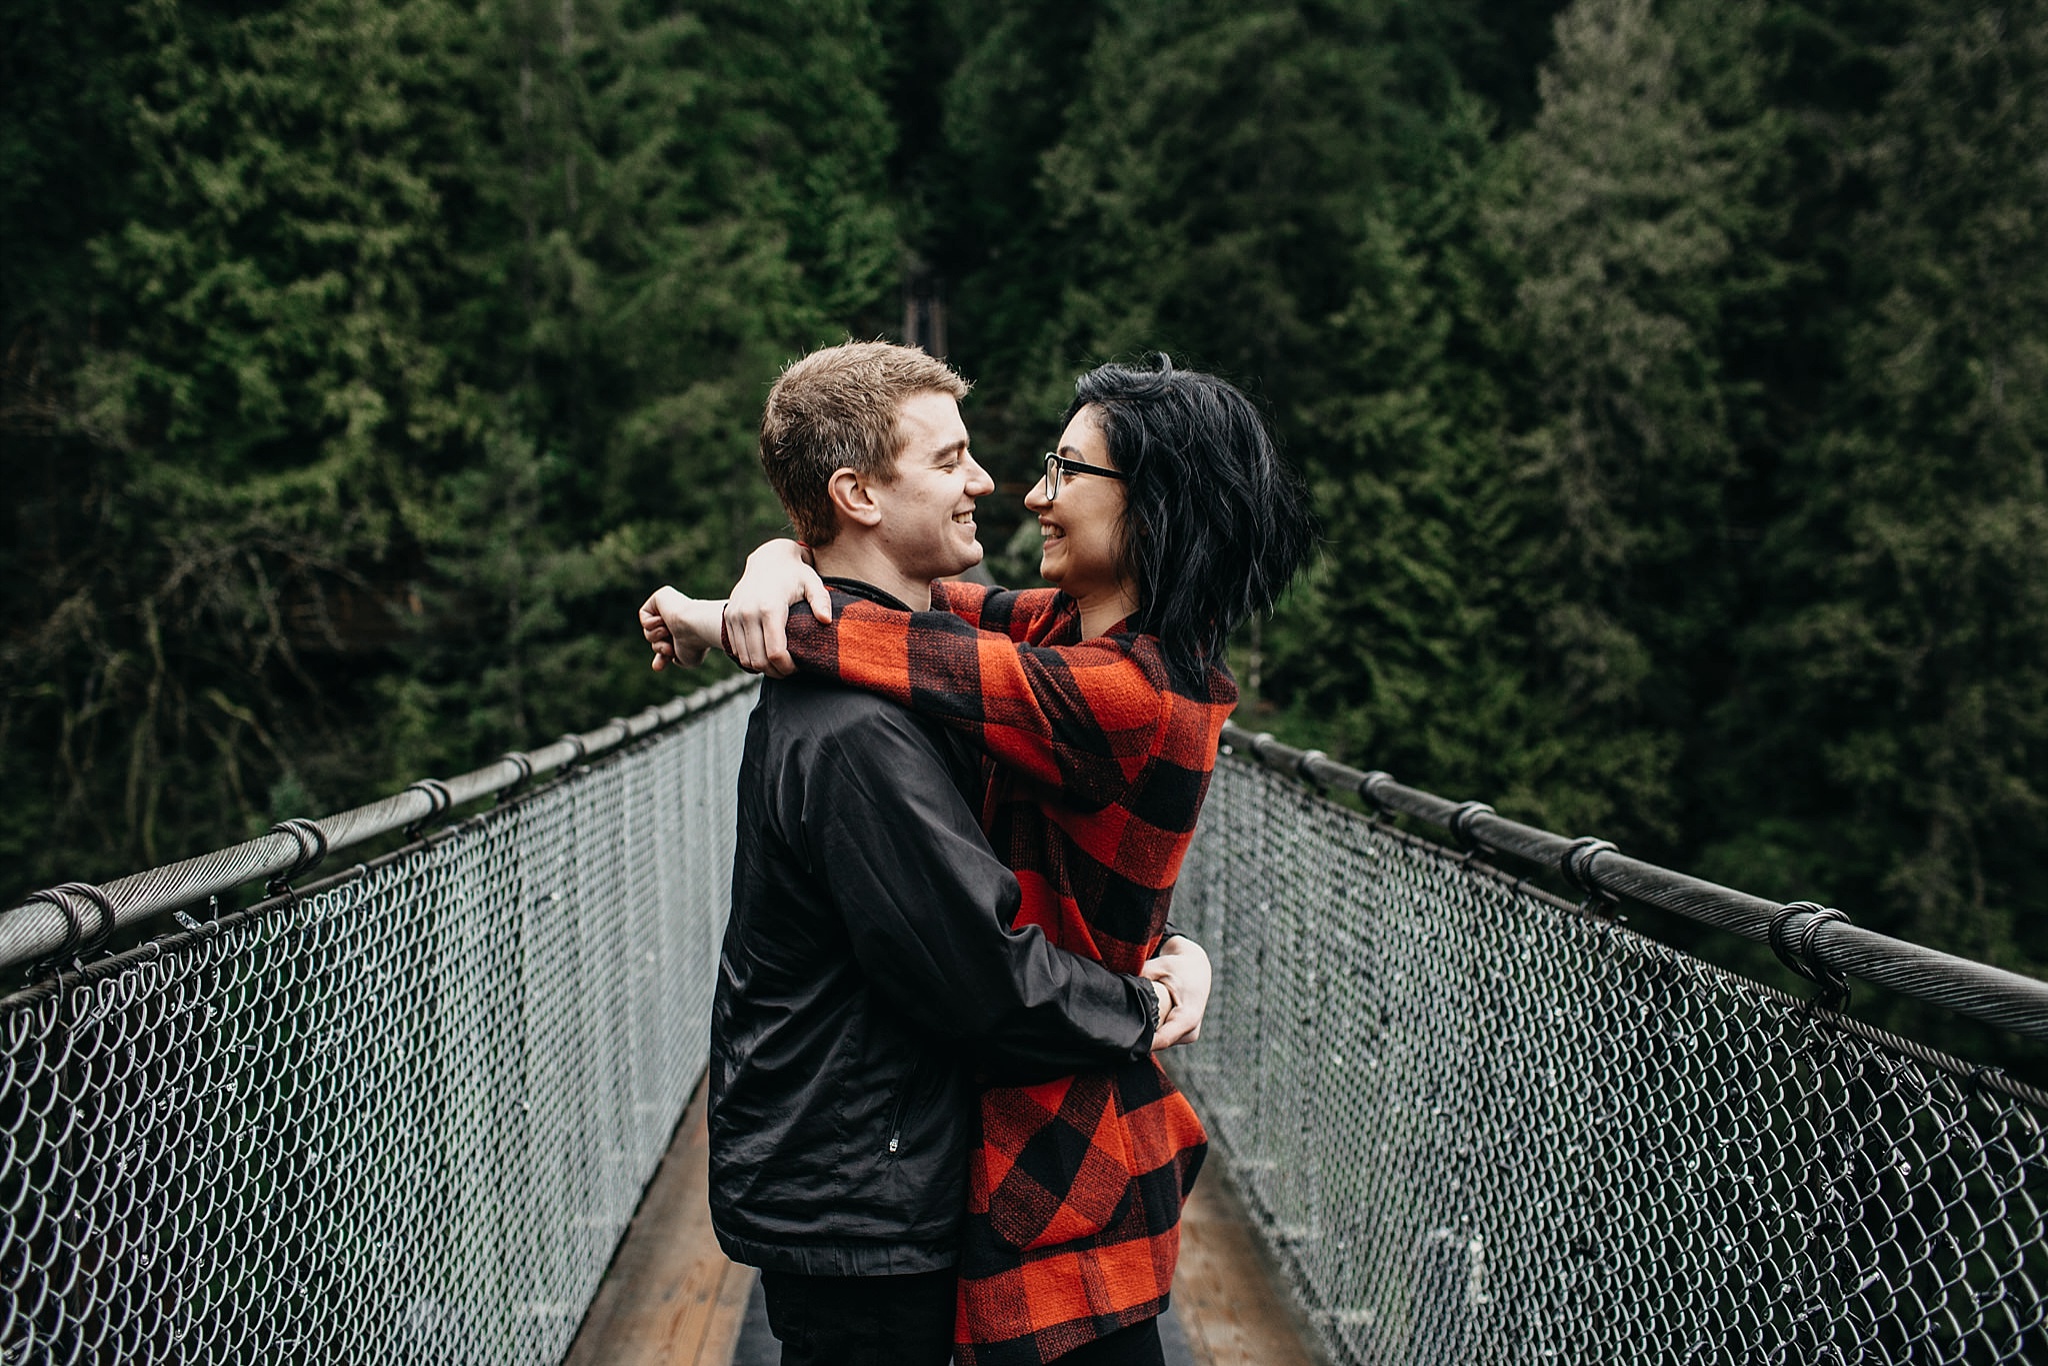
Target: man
869,972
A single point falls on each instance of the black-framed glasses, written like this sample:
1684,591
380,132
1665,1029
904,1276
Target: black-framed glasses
1057,464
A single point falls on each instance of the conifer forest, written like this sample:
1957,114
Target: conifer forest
1671,377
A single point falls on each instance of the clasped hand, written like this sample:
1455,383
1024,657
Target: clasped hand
750,624
1182,966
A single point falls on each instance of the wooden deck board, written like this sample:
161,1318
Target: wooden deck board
1230,1306
671,1298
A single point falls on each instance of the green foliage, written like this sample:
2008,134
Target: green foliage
1668,390
667,205
1669,375
1627,215
412,343
228,447
1900,678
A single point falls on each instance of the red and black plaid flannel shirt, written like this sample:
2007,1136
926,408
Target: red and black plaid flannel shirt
1100,767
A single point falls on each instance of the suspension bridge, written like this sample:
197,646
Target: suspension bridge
405,1109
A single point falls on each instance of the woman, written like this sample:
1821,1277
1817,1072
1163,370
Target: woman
1168,519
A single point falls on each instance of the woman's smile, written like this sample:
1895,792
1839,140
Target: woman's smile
1083,525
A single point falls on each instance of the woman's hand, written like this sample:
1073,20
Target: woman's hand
1182,966
679,629
778,574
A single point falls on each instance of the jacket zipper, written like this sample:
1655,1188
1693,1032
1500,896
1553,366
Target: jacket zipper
896,1118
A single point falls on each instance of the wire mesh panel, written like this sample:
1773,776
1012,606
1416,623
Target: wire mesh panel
402,1119
1479,1126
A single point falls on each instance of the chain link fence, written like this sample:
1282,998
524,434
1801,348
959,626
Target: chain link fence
406,1115
403,1117
1478,1125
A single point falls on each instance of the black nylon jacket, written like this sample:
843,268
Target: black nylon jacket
867,970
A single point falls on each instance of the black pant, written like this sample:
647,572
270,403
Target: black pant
861,1320
1137,1345
903,1321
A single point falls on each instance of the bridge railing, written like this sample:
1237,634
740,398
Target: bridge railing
400,1115
403,1114
1479,1123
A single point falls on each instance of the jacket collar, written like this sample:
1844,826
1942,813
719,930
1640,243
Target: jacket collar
867,591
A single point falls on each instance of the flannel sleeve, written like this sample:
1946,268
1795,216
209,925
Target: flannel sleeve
927,905
1006,611
1083,717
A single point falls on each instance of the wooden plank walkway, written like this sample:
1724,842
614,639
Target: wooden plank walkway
672,1299
1225,1291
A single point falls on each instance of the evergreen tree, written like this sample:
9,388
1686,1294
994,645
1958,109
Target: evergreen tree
1894,687
417,340
667,206
1629,213
1218,164
1669,375
237,432
1012,96
1400,648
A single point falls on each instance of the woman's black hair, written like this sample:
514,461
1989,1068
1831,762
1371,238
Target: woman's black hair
1215,525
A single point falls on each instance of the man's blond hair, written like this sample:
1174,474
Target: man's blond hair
837,408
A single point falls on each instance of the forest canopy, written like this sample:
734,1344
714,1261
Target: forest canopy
1672,379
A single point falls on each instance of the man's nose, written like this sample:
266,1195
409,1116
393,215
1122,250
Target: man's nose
978,482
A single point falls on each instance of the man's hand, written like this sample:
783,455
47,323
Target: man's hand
756,613
1163,996
675,628
1182,966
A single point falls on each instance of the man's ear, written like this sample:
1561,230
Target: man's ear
852,499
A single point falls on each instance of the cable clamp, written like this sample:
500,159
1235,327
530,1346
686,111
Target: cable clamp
105,905
518,760
439,799
67,898
312,842
569,738
1576,867
1304,768
1369,787
1799,956
1460,824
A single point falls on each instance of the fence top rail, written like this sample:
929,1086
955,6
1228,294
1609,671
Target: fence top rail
1817,942
75,915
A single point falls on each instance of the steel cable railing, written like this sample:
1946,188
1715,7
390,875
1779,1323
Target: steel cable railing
403,1115
1477,1123
1998,997
59,920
